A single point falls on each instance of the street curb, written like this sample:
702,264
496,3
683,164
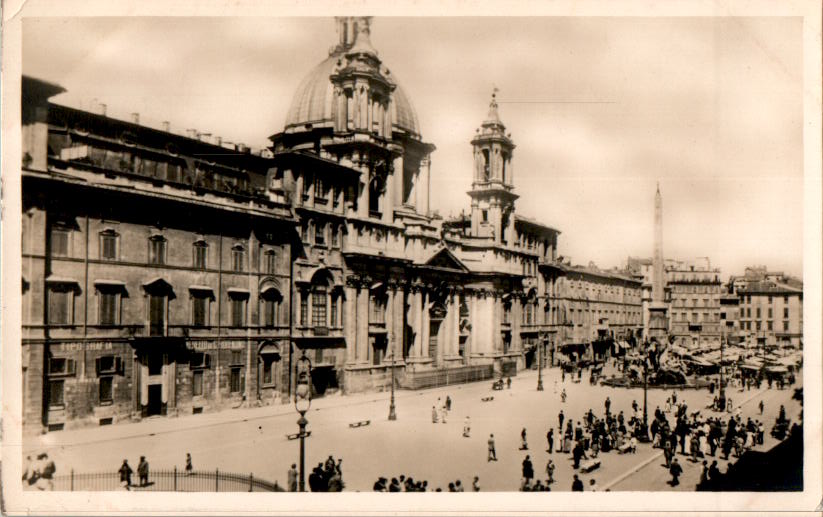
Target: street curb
225,416
645,463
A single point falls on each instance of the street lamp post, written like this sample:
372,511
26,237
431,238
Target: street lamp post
540,365
392,413
721,399
302,402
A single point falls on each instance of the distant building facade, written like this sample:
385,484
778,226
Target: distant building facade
696,290
594,305
770,307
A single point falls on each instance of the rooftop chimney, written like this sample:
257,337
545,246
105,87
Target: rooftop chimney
191,133
166,126
203,137
218,140
101,109
135,117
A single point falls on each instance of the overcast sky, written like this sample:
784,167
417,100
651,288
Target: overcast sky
600,109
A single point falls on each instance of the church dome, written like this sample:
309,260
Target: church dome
312,102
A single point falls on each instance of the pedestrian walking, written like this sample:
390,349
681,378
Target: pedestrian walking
668,453
528,469
608,404
28,471
563,375
443,414
550,440
476,484
125,474
467,428
577,485
143,471
492,451
434,415
704,473
675,470
761,407
563,396
560,417
44,472
509,383
448,403
524,446
550,471
292,478
189,467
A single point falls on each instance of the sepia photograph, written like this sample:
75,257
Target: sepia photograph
362,252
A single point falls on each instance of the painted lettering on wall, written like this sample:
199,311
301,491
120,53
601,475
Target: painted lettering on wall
78,347
213,345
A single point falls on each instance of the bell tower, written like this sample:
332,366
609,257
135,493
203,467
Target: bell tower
492,192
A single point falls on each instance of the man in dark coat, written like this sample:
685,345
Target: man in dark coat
550,439
125,473
528,469
143,471
578,453
675,470
577,485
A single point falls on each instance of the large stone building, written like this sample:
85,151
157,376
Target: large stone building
595,309
770,307
168,274
155,271
696,291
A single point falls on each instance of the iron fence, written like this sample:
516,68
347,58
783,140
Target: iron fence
167,481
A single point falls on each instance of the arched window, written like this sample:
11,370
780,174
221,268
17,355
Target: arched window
321,288
238,258
271,300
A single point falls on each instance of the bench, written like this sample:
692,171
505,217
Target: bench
589,465
359,424
297,435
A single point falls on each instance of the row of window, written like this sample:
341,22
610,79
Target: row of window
748,299
747,312
756,325
107,367
322,234
157,250
109,301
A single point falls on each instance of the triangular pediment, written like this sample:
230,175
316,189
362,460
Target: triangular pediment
445,259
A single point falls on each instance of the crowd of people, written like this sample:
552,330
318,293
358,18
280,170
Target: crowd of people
325,477
39,473
402,483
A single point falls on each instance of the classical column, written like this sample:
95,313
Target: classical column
398,308
362,322
397,179
425,325
454,331
497,313
425,166
388,202
470,345
417,322
363,195
350,324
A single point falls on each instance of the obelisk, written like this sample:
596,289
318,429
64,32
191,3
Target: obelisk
658,320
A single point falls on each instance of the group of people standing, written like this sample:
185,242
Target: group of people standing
39,473
325,477
142,472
